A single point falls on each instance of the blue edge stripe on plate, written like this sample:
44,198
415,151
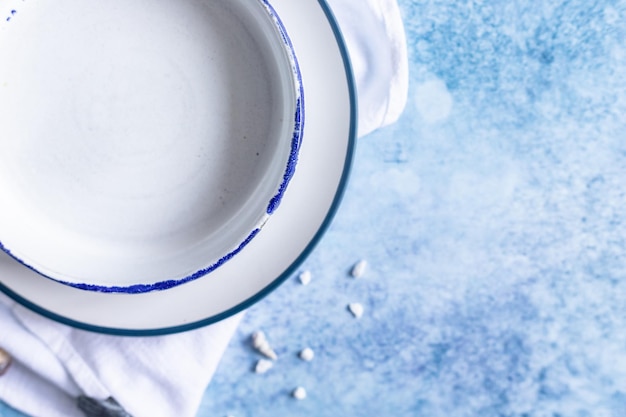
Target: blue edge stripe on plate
282,277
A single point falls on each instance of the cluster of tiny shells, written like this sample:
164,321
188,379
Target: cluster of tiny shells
262,345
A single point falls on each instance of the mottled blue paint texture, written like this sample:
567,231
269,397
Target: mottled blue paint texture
493,217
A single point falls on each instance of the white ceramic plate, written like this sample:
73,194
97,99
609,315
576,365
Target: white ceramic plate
307,209
144,143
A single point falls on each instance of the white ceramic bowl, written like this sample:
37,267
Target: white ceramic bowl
144,143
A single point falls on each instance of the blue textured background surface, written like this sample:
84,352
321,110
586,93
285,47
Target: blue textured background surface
493,218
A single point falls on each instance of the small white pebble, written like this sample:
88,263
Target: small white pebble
307,354
299,393
305,277
260,343
359,268
356,309
262,366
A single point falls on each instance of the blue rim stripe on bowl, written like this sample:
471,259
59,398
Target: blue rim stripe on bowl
282,277
290,169
163,285
299,115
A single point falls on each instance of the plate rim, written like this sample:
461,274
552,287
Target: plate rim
295,264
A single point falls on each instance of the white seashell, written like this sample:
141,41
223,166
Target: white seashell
299,393
307,354
359,268
356,309
262,366
305,277
260,343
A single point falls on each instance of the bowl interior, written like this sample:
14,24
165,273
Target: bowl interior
142,141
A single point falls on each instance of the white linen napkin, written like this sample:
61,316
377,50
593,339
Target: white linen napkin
53,364
374,34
